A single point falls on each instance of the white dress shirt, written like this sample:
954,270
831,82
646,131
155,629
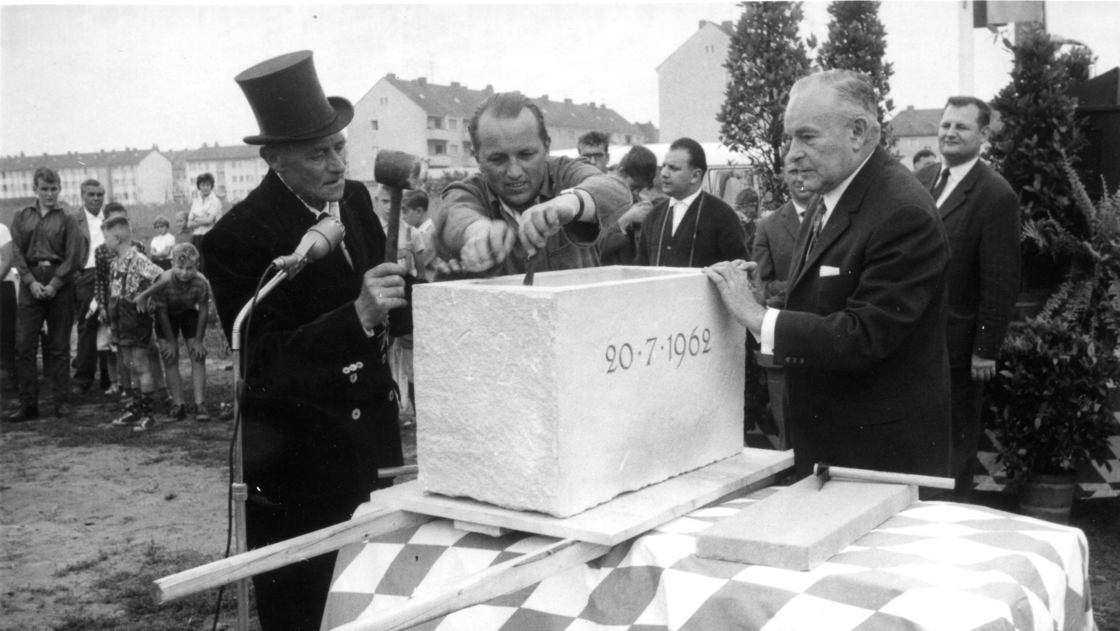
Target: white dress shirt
956,174
680,207
96,238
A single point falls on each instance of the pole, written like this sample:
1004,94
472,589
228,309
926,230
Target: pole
238,491
965,81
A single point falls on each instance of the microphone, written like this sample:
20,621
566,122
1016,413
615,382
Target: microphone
320,240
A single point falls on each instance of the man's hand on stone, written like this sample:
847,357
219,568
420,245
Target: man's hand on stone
544,220
488,243
733,279
382,291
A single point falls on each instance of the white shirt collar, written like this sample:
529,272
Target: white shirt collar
798,208
330,207
958,172
688,200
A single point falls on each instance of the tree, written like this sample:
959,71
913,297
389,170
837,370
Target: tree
1038,124
857,41
765,58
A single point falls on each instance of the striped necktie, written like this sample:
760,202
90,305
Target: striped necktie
939,187
818,222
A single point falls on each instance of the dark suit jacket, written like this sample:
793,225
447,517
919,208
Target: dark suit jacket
319,412
773,250
981,217
864,343
719,235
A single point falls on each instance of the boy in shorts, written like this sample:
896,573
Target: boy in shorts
182,304
130,273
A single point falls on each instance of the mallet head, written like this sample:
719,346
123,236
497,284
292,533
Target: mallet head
398,169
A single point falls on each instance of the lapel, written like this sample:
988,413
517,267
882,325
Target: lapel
788,219
838,222
960,193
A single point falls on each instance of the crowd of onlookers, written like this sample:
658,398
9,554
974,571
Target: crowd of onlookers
130,301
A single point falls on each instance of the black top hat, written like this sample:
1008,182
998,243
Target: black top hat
289,103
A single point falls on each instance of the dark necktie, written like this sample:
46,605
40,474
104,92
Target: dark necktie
939,187
815,231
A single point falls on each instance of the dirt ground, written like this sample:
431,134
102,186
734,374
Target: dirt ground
90,514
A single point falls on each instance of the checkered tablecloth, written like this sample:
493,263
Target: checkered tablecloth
934,566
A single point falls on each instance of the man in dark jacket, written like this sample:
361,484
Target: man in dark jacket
690,228
862,334
981,216
320,407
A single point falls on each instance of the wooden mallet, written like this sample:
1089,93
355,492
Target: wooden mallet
397,171
824,473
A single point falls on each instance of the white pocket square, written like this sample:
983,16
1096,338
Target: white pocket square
827,270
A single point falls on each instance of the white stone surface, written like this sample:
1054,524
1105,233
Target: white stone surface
519,403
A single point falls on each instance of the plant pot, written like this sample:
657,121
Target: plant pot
1048,497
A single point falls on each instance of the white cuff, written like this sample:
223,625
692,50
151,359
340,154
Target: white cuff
769,322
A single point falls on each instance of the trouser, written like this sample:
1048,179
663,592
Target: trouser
58,313
292,598
967,398
86,353
8,328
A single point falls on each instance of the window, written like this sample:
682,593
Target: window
437,147
383,100
453,124
373,124
435,122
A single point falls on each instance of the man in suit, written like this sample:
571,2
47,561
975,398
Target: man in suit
981,216
862,334
320,405
776,238
89,222
689,228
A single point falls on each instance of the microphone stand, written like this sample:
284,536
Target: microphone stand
238,490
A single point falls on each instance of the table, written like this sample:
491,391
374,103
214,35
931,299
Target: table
936,565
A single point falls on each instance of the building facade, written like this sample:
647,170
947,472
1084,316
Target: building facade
129,176
237,170
430,121
915,130
691,85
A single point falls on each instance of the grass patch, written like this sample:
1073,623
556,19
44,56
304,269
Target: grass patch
130,593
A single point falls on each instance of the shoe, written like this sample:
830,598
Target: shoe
79,389
177,413
131,417
113,390
62,410
145,423
25,413
202,416
227,413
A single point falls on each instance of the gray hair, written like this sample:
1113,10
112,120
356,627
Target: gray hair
855,95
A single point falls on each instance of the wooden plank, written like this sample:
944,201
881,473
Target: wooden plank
480,587
367,523
800,527
482,529
626,516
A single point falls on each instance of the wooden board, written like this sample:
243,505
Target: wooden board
626,516
799,527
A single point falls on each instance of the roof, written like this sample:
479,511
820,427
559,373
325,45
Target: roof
112,158
459,101
912,122
215,153
725,27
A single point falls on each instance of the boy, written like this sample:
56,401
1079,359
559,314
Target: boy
130,273
160,248
182,302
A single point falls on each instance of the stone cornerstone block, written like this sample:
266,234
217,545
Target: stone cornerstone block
560,396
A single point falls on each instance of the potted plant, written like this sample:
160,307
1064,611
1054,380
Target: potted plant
1050,403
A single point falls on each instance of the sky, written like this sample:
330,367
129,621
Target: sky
89,77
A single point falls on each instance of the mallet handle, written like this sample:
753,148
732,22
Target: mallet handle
392,232
891,478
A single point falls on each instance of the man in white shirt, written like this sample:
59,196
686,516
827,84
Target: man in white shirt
862,334
89,218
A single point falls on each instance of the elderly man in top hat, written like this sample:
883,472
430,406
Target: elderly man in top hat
320,407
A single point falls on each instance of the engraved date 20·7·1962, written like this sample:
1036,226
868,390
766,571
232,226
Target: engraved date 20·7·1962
675,347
